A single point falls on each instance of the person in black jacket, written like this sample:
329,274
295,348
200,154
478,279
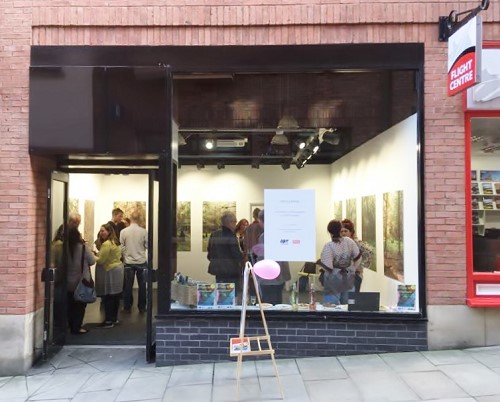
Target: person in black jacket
224,253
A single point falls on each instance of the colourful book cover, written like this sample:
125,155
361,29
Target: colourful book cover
205,296
488,203
487,188
239,345
225,295
406,297
475,188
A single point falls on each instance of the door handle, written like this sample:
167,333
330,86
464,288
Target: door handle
48,274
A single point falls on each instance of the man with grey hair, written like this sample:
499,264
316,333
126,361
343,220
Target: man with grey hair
74,220
224,253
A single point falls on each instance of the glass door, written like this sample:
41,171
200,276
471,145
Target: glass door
54,275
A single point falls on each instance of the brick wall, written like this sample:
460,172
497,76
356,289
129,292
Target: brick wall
198,340
221,22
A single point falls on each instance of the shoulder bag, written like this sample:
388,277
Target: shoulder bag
85,290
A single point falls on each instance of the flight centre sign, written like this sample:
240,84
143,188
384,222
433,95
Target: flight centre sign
464,56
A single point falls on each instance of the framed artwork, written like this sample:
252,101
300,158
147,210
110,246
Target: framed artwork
88,224
211,215
337,210
254,205
368,229
350,210
183,218
129,206
73,205
393,236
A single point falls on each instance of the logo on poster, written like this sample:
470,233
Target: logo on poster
284,242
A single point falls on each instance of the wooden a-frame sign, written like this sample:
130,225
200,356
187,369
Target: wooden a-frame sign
251,345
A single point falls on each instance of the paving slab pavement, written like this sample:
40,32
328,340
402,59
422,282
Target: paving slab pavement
121,374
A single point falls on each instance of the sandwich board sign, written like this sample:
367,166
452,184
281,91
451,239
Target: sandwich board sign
464,56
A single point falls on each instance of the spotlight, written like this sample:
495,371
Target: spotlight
209,144
220,165
255,165
330,136
285,165
301,144
279,138
200,166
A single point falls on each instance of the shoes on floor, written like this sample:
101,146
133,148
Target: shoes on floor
106,324
81,331
142,310
116,322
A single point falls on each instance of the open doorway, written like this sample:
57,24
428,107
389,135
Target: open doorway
94,196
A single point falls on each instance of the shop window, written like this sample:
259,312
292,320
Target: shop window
483,128
365,169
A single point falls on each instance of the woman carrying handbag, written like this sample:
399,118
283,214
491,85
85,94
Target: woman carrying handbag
80,258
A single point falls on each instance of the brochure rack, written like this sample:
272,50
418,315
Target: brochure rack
251,345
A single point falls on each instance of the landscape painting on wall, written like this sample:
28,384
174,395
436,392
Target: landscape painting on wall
368,230
73,205
393,236
350,210
337,210
88,223
130,206
183,226
212,212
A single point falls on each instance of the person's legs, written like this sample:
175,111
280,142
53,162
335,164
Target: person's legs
109,303
141,271
357,283
128,285
115,307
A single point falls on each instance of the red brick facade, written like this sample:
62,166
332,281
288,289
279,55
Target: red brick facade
223,22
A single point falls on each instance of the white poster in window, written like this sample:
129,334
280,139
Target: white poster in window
289,225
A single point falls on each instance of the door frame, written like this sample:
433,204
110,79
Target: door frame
50,273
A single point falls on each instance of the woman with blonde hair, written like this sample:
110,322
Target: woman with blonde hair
109,274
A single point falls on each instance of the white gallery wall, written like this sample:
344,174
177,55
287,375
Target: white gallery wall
245,186
384,164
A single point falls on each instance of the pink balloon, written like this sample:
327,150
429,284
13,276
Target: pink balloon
267,269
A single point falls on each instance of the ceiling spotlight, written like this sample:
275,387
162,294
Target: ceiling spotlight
285,165
255,165
181,140
279,138
288,121
200,166
330,136
301,144
209,144
220,165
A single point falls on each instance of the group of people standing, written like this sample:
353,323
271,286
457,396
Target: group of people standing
236,242
119,255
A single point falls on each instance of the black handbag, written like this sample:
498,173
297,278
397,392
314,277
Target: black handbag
85,290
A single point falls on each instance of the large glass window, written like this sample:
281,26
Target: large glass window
351,138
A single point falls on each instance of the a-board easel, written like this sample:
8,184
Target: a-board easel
242,346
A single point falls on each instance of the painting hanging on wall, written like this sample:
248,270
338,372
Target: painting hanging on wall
350,210
183,226
393,236
368,231
212,212
254,205
73,206
337,210
130,206
88,222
